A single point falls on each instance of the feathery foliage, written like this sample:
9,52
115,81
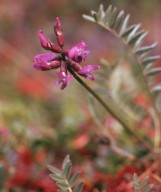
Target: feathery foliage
64,179
141,186
131,35
140,60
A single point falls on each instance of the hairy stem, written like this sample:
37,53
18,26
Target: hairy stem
120,120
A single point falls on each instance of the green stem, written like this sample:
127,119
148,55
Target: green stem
120,120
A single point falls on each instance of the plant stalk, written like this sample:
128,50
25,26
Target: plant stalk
99,99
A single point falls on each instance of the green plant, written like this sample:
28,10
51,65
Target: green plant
140,61
64,180
141,186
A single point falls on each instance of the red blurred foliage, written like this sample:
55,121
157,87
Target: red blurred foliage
24,176
34,86
120,182
96,182
142,100
4,133
146,124
80,141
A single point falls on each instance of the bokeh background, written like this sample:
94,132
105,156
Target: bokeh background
39,123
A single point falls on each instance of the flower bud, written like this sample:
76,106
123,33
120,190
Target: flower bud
58,31
46,44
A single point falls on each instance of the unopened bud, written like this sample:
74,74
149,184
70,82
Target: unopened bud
43,40
59,32
46,44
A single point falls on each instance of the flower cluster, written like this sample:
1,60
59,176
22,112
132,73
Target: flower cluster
63,59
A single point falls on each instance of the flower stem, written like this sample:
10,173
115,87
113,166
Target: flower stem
99,99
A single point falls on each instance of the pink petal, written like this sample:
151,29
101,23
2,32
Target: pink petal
88,69
63,78
78,52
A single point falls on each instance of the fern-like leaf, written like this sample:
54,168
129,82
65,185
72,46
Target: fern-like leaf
145,49
63,178
141,186
141,61
79,187
154,71
117,23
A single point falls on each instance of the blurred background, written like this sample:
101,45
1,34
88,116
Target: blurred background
39,123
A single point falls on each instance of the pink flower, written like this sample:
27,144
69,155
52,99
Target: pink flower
46,61
87,70
63,59
78,52
63,78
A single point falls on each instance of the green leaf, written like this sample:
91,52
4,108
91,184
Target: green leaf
56,177
153,71
140,39
79,187
74,179
119,20
107,13
89,18
150,60
143,183
133,39
61,178
94,14
112,17
133,32
129,30
100,13
135,178
63,185
67,170
124,24
65,162
145,49
141,187
147,188
54,169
